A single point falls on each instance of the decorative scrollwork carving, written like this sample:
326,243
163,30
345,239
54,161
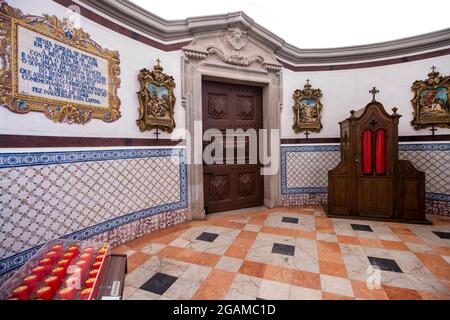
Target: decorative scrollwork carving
156,100
307,109
431,101
68,111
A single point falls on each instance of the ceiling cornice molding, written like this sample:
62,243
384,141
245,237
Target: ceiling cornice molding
179,30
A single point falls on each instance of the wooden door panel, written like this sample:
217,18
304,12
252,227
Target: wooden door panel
237,185
375,197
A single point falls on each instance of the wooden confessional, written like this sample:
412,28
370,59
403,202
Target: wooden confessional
370,182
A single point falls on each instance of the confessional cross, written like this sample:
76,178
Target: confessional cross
158,61
433,68
433,129
374,92
307,133
307,82
157,133
373,123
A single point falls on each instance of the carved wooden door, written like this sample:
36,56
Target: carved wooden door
232,186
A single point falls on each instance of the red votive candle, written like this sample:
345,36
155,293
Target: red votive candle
31,282
83,265
96,265
89,250
52,255
93,273
40,272
85,293
53,282
69,256
102,251
67,293
45,262
58,249
99,258
86,256
21,293
89,283
59,272
64,263
73,249
44,293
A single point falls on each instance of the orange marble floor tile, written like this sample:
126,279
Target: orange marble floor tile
329,251
333,269
120,249
254,269
201,258
244,234
394,245
395,293
307,234
257,220
166,239
170,252
361,291
138,258
348,240
132,266
215,286
324,225
436,264
401,230
306,279
333,296
372,243
441,250
276,273
433,296
236,252
325,229
228,224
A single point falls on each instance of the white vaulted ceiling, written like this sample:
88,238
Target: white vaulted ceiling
321,23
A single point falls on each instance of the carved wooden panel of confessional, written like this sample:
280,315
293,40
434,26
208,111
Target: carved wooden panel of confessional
370,181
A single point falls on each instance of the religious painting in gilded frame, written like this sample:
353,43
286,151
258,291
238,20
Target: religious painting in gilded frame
431,101
307,109
156,100
47,65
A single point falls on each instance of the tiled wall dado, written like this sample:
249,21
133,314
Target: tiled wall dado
304,172
112,195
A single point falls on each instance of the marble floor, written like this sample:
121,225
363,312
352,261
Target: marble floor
290,253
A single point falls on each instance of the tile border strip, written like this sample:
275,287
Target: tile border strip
26,159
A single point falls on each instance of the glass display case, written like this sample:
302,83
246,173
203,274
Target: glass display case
61,270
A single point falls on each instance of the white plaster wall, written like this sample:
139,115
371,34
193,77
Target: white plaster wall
134,56
344,90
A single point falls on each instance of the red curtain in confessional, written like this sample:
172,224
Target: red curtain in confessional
367,152
380,161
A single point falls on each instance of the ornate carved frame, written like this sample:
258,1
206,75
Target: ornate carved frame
433,82
147,121
307,93
228,56
58,30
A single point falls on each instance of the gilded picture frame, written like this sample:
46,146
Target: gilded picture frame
156,100
307,109
61,32
431,101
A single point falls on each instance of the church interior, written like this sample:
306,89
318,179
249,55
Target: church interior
209,159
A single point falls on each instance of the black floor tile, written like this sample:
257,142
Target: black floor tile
290,220
285,249
442,234
385,264
207,236
361,227
159,283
